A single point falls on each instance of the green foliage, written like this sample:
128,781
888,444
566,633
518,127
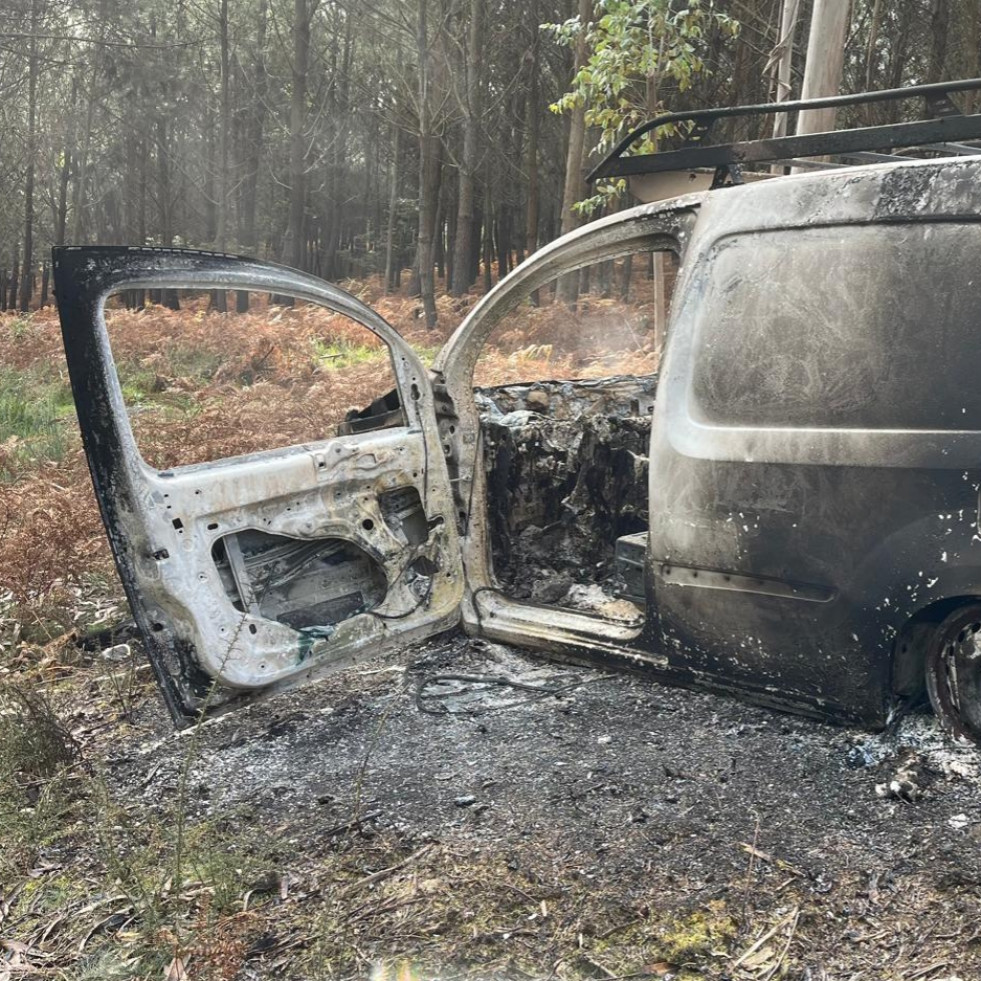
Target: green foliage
35,750
633,48
33,405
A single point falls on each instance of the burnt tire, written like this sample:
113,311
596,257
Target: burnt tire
953,673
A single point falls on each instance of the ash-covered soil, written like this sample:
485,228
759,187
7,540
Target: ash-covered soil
837,853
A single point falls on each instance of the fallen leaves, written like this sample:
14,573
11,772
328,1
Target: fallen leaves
176,970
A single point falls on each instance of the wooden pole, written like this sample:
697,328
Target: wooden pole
825,58
782,61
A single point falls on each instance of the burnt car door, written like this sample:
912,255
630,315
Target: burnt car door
262,571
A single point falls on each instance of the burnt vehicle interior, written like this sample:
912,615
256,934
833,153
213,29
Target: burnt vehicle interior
636,512
566,458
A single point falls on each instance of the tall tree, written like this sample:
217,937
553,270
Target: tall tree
532,110
224,138
573,186
465,233
430,166
302,13
781,62
33,69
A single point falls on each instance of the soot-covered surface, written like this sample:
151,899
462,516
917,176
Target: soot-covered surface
566,476
627,783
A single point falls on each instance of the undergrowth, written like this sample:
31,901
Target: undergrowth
99,884
36,749
34,405
201,386
490,914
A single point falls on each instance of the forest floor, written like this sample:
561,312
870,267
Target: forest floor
380,824
366,827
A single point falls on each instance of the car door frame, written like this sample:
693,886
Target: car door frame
159,522
486,609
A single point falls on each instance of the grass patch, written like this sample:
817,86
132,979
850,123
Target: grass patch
34,405
34,744
173,877
145,388
193,363
131,884
340,353
138,383
35,751
427,353
39,622
488,915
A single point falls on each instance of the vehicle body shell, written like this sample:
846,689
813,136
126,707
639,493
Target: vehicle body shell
815,456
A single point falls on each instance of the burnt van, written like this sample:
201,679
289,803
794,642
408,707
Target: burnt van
810,536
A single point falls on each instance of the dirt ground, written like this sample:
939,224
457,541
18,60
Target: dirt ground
391,822
644,831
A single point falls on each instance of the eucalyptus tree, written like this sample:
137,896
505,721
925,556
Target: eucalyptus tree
630,50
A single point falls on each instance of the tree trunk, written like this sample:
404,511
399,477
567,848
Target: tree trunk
163,183
939,28
782,59
503,242
488,234
81,178
627,275
974,59
464,236
393,200
339,152
533,205
870,48
219,297
451,198
14,281
429,180
439,240
64,177
429,173
168,297
33,67
298,118
531,137
253,155
573,188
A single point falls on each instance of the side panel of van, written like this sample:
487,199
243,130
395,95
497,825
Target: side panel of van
816,451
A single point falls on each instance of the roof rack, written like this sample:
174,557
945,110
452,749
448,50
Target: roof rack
944,129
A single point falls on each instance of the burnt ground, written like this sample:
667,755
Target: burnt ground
617,828
392,822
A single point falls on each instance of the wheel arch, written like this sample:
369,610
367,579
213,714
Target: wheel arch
913,641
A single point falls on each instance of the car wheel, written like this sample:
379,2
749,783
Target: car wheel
953,673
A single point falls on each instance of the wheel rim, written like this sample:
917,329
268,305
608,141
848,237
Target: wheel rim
954,680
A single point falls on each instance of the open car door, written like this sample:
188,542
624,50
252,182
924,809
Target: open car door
259,572
489,608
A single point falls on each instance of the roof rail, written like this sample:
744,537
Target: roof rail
944,129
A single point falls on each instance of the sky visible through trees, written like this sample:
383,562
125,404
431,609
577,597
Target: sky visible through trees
429,141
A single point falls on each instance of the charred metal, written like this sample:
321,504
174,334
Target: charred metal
790,511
